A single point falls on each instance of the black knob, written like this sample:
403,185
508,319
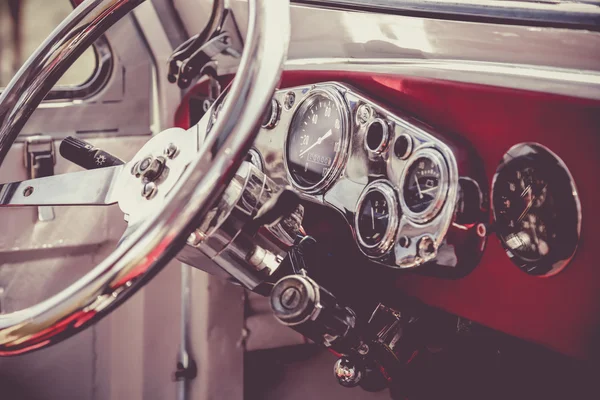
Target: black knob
86,155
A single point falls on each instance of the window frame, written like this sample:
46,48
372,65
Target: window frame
97,80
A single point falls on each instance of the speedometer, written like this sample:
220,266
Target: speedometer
316,140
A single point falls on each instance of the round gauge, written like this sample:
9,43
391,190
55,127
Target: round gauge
376,219
316,141
424,185
536,209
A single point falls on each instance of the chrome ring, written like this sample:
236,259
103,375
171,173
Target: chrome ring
385,136
389,238
340,158
436,206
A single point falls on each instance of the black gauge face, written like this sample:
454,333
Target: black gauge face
314,141
536,213
374,218
422,185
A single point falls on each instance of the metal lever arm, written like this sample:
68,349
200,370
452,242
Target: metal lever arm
86,155
78,188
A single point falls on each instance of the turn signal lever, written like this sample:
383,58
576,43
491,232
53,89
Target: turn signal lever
86,155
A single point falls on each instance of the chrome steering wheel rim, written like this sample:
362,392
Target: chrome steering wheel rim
143,253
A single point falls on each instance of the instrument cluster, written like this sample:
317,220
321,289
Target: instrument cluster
395,180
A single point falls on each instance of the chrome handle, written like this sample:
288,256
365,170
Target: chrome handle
143,253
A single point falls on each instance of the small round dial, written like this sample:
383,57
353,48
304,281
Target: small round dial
424,186
374,218
377,218
315,141
535,210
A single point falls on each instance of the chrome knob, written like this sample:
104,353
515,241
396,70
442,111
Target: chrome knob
347,373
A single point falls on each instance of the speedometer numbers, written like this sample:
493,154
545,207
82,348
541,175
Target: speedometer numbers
536,209
316,141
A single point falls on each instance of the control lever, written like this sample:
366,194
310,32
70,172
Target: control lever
86,155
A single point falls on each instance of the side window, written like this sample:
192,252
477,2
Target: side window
24,25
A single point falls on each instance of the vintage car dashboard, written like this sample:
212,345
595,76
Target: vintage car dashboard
485,211
393,179
412,196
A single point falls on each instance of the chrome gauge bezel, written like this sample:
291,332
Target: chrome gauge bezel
340,158
389,238
526,265
436,206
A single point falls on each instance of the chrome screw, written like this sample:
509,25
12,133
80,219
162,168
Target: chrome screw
363,114
363,349
149,190
171,151
290,99
427,248
195,238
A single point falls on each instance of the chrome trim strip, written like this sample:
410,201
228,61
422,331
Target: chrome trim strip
582,83
143,253
579,14
542,59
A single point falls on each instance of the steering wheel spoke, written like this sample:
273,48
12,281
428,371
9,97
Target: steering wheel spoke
94,187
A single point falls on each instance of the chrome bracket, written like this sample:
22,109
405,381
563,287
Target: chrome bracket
195,58
39,158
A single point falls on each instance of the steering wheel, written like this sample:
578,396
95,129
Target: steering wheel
160,217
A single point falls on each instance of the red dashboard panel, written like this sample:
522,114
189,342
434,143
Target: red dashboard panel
563,311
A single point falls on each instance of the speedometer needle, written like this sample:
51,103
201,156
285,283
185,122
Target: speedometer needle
318,142
418,187
373,218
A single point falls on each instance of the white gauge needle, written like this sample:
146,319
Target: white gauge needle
318,142
431,189
418,187
372,218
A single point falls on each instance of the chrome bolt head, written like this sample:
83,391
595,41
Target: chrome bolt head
195,238
144,164
290,100
427,248
363,114
149,190
363,349
171,151
154,170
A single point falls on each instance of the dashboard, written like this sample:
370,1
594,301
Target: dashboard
517,260
395,180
